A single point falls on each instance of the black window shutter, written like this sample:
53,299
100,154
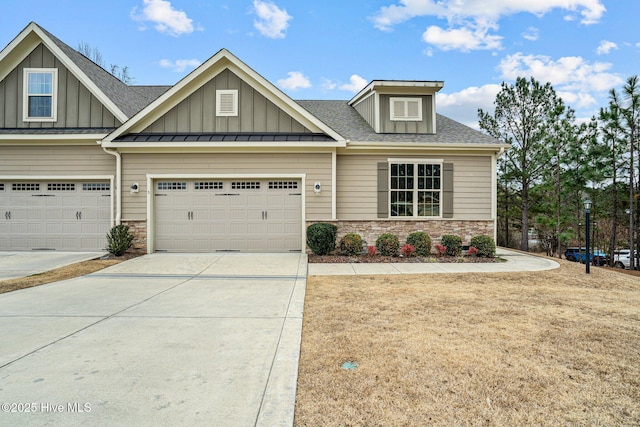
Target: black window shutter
383,190
447,190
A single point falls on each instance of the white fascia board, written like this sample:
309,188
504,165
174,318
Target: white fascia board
424,145
213,66
406,84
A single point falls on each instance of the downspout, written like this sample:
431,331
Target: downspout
118,183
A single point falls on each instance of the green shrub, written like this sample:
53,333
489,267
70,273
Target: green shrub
119,240
351,244
421,241
388,245
321,237
453,244
485,245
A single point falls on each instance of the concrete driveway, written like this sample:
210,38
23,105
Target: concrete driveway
26,263
164,339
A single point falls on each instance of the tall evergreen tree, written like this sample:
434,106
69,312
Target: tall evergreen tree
525,116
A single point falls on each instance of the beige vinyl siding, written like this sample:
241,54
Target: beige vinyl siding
395,126
76,106
366,108
197,112
317,168
357,185
56,160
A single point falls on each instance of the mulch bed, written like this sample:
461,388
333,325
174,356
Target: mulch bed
336,258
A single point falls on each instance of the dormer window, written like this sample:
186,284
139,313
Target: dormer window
40,93
406,109
227,103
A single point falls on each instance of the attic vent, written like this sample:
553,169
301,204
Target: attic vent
406,109
227,103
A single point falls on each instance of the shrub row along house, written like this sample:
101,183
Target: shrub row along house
224,160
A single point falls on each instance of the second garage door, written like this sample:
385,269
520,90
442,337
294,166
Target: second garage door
228,215
61,215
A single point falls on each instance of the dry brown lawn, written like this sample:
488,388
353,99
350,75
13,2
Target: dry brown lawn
550,348
62,273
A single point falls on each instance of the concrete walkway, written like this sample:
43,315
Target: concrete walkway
164,339
515,261
27,263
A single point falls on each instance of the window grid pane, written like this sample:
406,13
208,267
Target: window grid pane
415,194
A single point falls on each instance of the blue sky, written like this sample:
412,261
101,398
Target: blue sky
330,49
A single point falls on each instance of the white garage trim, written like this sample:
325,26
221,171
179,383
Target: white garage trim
109,178
151,200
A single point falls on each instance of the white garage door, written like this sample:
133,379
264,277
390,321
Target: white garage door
228,215
61,215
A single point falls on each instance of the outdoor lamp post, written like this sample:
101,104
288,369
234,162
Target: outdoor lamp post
587,212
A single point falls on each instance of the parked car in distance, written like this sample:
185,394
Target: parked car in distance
622,258
576,254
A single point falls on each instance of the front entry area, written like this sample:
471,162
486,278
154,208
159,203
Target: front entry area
61,215
244,215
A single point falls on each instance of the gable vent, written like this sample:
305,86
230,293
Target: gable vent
226,103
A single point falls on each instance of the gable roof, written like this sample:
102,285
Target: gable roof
349,123
121,100
219,62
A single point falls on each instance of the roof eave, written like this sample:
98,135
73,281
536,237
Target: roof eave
375,145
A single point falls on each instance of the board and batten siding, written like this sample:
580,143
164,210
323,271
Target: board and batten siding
56,160
197,112
366,108
357,186
317,168
398,126
76,106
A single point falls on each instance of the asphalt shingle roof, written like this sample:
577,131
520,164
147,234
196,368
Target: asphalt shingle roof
129,99
345,120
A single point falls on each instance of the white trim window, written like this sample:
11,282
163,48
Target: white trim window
415,189
40,94
406,109
227,103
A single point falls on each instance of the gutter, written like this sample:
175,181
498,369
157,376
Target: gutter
118,183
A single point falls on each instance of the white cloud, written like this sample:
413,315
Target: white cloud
464,39
531,34
605,47
577,81
463,106
296,80
570,73
179,65
166,19
356,83
272,21
470,21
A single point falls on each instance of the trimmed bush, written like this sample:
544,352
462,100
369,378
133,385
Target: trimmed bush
321,237
453,244
408,250
371,250
485,245
351,244
442,249
421,241
388,245
119,240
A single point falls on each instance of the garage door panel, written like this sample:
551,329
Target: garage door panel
56,215
237,215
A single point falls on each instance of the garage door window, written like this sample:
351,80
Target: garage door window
96,186
1,187
167,185
61,187
25,187
245,185
208,185
283,185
